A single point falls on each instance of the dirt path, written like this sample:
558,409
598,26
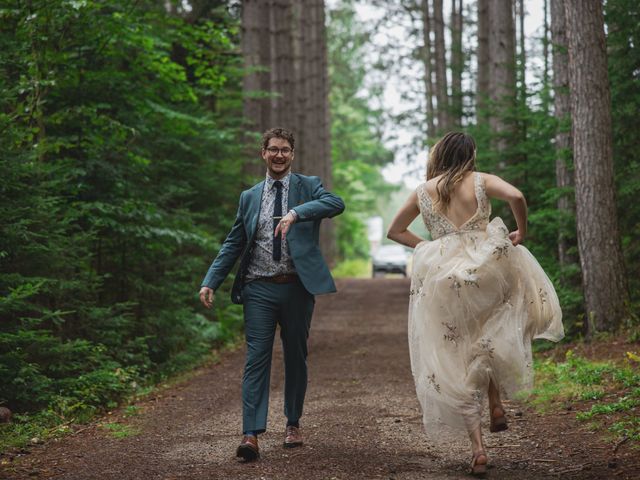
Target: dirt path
361,420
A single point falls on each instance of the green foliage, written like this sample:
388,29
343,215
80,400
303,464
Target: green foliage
622,405
627,428
120,170
528,161
357,150
623,40
353,268
119,430
612,387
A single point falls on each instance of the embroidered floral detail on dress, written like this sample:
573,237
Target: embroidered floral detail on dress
417,290
485,346
474,240
455,285
477,396
501,251
543,296
452,334
472,279
506,297
432,382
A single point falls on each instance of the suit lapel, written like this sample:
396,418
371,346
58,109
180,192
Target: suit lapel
294,192
255,203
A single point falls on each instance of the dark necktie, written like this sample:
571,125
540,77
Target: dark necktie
277,215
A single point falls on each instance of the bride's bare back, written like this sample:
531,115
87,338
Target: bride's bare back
463,204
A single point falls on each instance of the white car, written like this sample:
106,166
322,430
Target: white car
389,259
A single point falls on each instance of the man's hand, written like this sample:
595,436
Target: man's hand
206,296
284,225
516,237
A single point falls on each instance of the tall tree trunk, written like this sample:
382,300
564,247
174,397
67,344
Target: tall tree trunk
562,111
282,83
285,53
522,122
317,148
502,75
427,58
254,37
442,94
545,43
482,85
457,63
522,53
601,258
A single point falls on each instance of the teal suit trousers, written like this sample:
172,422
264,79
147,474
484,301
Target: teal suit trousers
267,305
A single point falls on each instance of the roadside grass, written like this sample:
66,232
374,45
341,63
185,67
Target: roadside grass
120,430
37,427
605,394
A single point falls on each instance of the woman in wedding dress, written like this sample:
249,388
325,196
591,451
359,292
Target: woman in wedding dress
477,299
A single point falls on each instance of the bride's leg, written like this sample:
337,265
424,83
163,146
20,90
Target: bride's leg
498,422
495,404
479,460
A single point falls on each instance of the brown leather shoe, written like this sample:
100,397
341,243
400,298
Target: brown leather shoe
248,449
292,437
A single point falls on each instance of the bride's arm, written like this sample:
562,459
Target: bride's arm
498,188
398,229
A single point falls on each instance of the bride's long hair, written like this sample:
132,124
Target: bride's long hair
452,157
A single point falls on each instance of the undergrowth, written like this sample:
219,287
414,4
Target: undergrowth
606,393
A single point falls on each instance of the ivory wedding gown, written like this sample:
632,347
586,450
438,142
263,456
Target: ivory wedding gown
476,302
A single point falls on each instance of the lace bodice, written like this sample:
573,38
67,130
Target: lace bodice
438,224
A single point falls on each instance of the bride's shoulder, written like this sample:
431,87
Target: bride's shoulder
419,192
485,175
419,187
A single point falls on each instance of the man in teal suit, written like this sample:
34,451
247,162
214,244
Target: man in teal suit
281,269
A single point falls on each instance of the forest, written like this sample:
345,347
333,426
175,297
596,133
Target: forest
128,129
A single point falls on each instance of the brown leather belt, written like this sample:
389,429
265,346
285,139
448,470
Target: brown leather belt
284,278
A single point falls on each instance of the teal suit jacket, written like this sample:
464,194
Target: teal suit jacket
312,203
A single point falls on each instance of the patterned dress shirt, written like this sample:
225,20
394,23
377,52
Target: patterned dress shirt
262,263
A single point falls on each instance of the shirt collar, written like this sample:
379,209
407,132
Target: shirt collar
285,180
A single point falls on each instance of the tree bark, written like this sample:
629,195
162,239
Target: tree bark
427,58
502,74
482,85
313,109
545,43
255,36
562,111
522,64
442,95
285,53
601,258
457,63
282,83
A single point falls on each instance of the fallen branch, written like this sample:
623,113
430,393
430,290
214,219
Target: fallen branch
624,439
570,470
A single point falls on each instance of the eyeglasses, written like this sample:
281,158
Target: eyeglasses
286,151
